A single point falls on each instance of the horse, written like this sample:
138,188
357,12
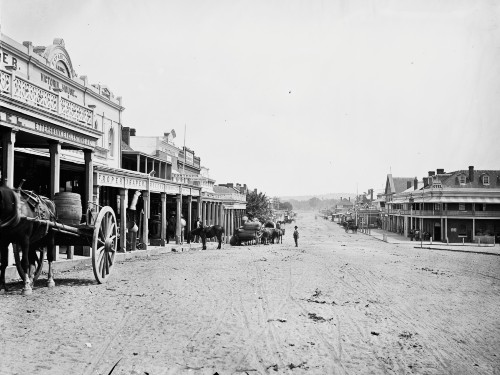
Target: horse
16,208
267,235
207,232
277,235
351,226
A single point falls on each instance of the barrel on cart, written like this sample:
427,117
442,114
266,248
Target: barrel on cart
97,230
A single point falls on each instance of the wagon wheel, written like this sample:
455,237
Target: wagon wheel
39,257
104,243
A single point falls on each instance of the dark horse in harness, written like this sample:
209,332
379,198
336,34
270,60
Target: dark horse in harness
207,232
277,235
17,207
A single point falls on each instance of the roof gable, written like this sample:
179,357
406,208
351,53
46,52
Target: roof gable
395,185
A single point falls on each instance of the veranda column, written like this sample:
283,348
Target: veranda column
8,141
145,221
221,213
199,208
55,168
89,181
178,227
231,221
163,235
203,213
226,229
445,229
123,220
473,229
209,213
190,214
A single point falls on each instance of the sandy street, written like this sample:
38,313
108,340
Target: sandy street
338,304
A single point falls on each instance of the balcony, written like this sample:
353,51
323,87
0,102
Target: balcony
35,96
447,213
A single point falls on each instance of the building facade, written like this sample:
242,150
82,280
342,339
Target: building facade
455,207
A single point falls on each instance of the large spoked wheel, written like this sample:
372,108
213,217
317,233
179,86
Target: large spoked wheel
104,244
39,257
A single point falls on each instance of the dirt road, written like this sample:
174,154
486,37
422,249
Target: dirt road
338,304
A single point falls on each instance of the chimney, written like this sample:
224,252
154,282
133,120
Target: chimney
439,171
431,173
242,190
349,199
408,184
132,132
426,181
415,184
471,173
126,135
371,194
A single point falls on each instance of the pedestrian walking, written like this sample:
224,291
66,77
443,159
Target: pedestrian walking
296,236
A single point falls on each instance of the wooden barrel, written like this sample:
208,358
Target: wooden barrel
68,207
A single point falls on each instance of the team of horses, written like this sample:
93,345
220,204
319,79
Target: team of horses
270,235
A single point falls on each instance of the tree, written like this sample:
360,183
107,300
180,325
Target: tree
286,206
258,207
314,202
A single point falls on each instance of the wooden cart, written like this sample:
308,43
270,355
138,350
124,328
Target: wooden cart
100,233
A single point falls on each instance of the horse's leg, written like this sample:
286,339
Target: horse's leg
25,247
4,255
51,256
204,242
32,267
219,237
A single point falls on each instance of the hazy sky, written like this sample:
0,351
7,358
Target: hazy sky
293,97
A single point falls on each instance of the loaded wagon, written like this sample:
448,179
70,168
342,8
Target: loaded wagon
35,223
249,232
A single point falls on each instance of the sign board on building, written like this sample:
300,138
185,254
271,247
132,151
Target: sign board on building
189,157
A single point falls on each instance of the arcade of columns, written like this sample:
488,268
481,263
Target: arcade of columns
216,213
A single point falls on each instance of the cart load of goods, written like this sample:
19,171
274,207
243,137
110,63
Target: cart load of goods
250,230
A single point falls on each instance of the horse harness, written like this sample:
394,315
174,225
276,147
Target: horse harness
39,204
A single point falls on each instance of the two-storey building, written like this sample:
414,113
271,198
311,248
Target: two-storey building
459,206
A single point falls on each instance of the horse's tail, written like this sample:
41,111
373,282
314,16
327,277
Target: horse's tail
9,204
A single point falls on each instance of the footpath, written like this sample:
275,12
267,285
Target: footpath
63,264
395,238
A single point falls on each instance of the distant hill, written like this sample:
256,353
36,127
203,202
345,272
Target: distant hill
320,196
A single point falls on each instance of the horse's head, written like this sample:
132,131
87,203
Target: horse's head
9,202
195,232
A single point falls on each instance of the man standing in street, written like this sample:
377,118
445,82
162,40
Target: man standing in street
296,236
